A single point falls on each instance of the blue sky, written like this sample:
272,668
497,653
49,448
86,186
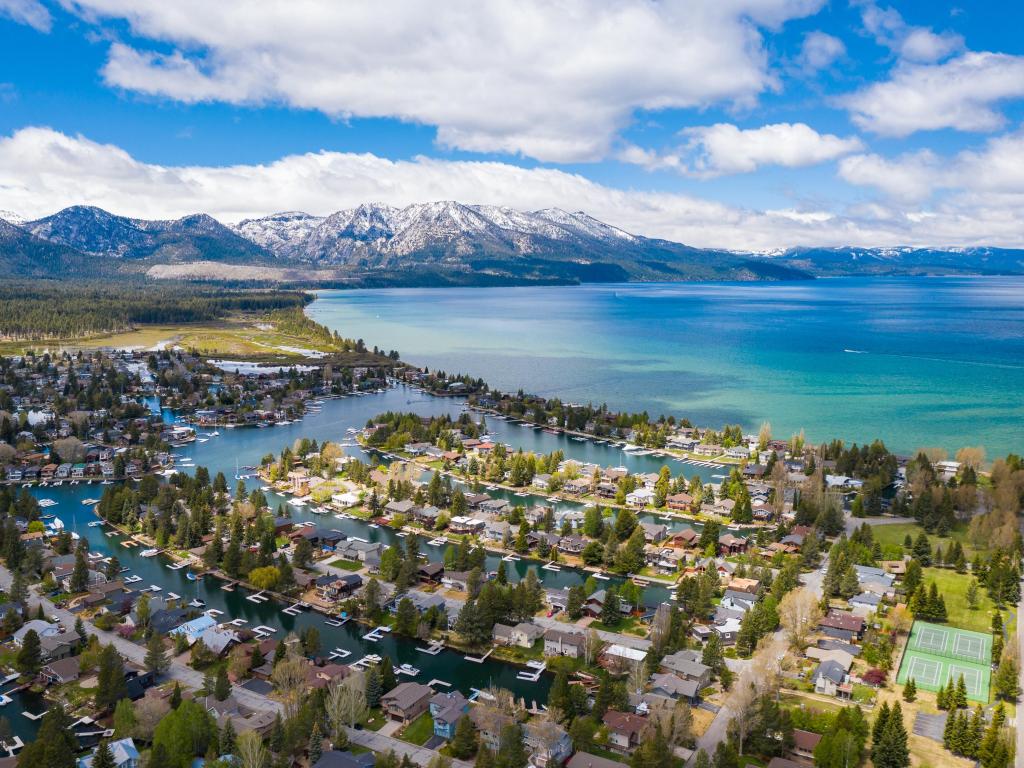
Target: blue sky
746,124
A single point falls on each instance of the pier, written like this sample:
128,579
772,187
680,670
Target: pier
257,597
479,659
433,649
339,653
293,610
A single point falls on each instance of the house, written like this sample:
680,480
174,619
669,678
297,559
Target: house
502,634
595,604
624,729
406,701
549,744
40,627
337,759
842,625
124,751
654,531
333,587
865,603
559,643
687,665
572,545
447,709
460,524
427,516
525,634
679,502
621,657
738,601
830,680
731,545
687,537
405,507
58,646
673,687
804,743
62,671
587,760
430,573
843,658
640,498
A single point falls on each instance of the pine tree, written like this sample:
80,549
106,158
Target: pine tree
277,735
961,693
316,743
222,686
175,700
103,758
910,690
464,742
890,751
940,698
227,739
387,675
30,655
373,688
156,655
880,722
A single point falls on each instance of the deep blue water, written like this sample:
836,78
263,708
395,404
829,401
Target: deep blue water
915,361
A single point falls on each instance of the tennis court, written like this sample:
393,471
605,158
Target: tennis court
935,654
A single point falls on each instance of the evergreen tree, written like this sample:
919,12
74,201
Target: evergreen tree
910,690
961,693
125,721
222,687
387,675
110,682
316,742
156,655
464,742
103,758
373,688
175,700
55,744
890,750
227,739
29,657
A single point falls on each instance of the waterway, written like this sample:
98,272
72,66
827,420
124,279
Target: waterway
239,447
914,361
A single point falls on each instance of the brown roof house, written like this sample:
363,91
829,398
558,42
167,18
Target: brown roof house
406,701
624,729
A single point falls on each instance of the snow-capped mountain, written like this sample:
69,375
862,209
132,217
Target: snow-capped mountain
97,232
440,229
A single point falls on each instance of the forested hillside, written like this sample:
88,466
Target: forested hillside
42,310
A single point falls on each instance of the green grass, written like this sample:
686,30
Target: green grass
419,731
953,588
346,565
893,536
375,720
629,625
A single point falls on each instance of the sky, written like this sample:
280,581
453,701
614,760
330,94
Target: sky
742,124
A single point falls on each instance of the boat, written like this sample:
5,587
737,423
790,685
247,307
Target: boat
149,552
191,576
408,669
95,523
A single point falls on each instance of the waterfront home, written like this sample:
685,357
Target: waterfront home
496,531
474,500
654,531
494,508
687,537
541,481
577,486
665,560
704,449
640,498
447,709
501,634
423,602
124,751
561,643
461,524
679,502
595,604
333,587
620,658
406,701
427,516
571,545
430,573
624,730
549,743
525,634
360,551
405,507
61,671
720,507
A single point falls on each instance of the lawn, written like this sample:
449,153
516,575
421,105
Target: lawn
953,588
630,625
346,565
893,536
419,731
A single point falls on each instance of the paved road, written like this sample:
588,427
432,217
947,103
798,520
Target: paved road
177,671
380,743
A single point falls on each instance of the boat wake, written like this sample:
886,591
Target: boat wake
856,351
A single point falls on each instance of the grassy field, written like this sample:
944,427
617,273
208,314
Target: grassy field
953,588
893,535
419,731
241,337
347,565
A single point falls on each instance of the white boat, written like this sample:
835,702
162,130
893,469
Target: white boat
407,669
149,552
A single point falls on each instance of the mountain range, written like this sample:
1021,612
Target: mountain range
435,243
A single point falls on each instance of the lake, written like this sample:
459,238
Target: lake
915,361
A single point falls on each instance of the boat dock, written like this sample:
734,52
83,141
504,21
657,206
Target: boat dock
339,653
435,681
293,610
479,659
257,597
433,649
336,622
263,631
376,634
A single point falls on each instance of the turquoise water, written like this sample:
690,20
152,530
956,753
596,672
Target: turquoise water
916,361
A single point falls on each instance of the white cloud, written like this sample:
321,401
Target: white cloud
724,148
42,170
917,44
819,51
30,12
551,80
992,176
961,93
